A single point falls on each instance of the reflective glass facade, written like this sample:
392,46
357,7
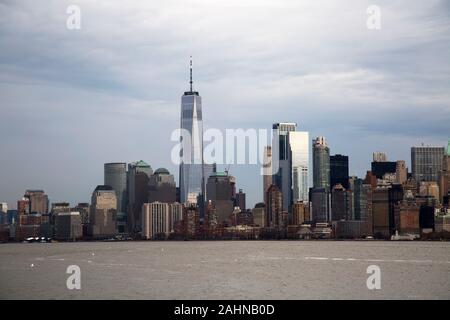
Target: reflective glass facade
191,167
426,163
299,154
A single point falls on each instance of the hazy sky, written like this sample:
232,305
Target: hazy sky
71,100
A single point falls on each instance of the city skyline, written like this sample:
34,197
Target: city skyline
94,95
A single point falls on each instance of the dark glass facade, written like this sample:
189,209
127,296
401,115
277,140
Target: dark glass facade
339,170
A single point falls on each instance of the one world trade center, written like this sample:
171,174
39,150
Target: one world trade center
193,171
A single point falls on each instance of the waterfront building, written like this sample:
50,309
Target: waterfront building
193,171
155,220
68,226
162,187
103,215
138,177
115,176
259,215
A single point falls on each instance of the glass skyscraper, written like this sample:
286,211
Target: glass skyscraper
321,164
116,177
426,163
281,150
299,149
193,172
320,193
339,171
291,150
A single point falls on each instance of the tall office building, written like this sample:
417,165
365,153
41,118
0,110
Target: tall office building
426,163
162,187
267,171
38,201
380,168
155,220
362,199
103,215
240,200
138,177
259,215
220,194
340,203
291,149
274,208
68,226
444,177
175,215
401,172
321,163
300,213
83,209
3,212
320,193
281,150
380,211
193,171
115,175
339,170
299,155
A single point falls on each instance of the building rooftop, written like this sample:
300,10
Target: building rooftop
162,171
103,188
141,163
219,174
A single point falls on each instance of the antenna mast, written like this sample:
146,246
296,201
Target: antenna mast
190,69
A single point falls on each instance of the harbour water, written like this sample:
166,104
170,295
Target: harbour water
226,270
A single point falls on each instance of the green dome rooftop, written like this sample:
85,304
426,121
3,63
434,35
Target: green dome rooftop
162,171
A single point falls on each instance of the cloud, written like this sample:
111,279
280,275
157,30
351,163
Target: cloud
72,100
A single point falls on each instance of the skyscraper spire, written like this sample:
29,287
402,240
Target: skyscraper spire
190,69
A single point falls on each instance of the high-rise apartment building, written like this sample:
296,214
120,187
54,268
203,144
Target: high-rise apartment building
155,220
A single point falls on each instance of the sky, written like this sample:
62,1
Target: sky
74,99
